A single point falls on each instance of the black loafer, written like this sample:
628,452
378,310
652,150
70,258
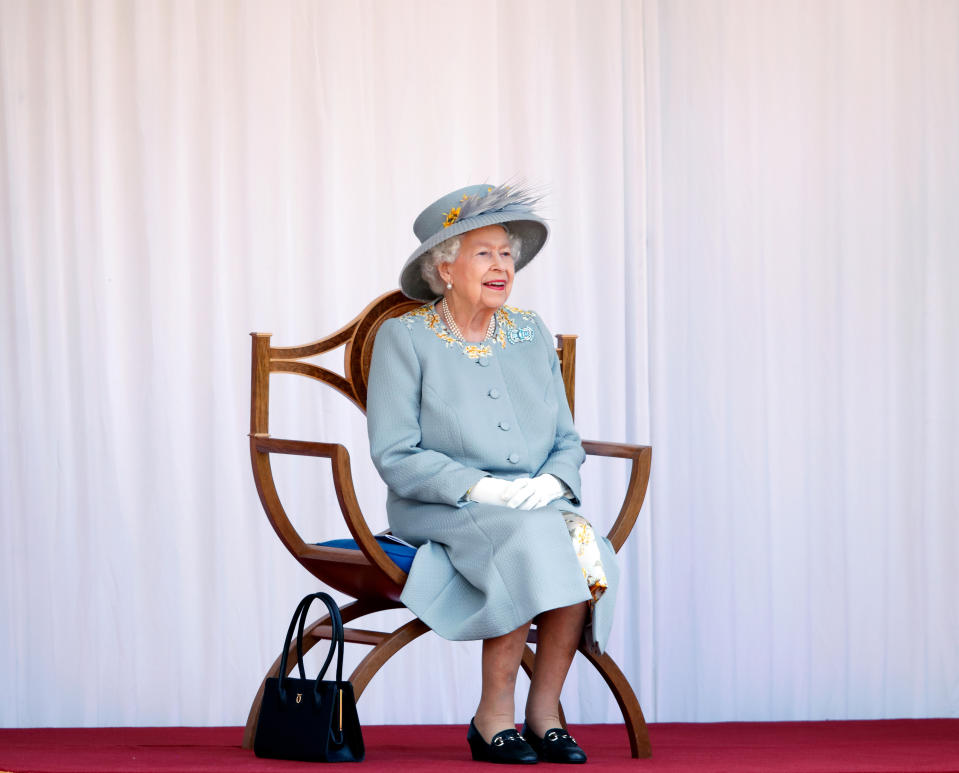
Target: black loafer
556,746
507,748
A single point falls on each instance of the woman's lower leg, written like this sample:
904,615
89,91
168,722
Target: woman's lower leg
501,661
558,634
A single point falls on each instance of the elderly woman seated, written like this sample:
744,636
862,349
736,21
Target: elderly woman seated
470,429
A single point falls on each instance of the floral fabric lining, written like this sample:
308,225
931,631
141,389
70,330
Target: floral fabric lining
507,331
587,551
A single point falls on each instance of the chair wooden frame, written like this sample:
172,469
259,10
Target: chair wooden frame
368,574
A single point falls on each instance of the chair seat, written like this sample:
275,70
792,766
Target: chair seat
401,555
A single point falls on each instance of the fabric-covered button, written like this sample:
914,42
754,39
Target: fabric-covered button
484,361
513,458
504,425
494,393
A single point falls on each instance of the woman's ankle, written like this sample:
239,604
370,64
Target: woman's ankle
491,722
540,722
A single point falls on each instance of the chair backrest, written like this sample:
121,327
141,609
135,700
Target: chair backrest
357,337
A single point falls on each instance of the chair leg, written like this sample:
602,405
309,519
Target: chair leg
632,713
350,612
376,658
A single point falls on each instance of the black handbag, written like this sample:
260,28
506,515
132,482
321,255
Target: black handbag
307,719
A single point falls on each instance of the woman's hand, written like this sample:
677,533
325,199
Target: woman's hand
531,493
520,494
489,491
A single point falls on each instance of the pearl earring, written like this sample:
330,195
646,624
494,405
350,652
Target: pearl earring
449,285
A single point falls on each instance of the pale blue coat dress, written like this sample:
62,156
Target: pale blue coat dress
442,415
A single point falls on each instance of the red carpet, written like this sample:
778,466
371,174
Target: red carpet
809,747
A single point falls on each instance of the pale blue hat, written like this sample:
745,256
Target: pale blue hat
466,209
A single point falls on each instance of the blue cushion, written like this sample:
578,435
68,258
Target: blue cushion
401,555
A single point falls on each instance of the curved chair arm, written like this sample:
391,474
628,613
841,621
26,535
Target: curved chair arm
261,446
636,489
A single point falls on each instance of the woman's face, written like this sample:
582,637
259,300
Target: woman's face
482,274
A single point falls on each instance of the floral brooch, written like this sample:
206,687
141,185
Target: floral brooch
451,217
517,335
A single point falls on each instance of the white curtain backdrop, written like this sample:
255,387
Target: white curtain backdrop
802,191
754,235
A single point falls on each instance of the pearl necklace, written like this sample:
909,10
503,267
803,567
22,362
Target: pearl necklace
454,328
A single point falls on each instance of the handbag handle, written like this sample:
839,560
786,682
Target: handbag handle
336,641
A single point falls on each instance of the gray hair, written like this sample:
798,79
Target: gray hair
448,252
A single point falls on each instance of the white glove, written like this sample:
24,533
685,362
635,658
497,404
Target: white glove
489,491
530,493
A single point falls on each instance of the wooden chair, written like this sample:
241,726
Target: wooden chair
368,575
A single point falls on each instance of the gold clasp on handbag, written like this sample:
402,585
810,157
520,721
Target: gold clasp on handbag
299,697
